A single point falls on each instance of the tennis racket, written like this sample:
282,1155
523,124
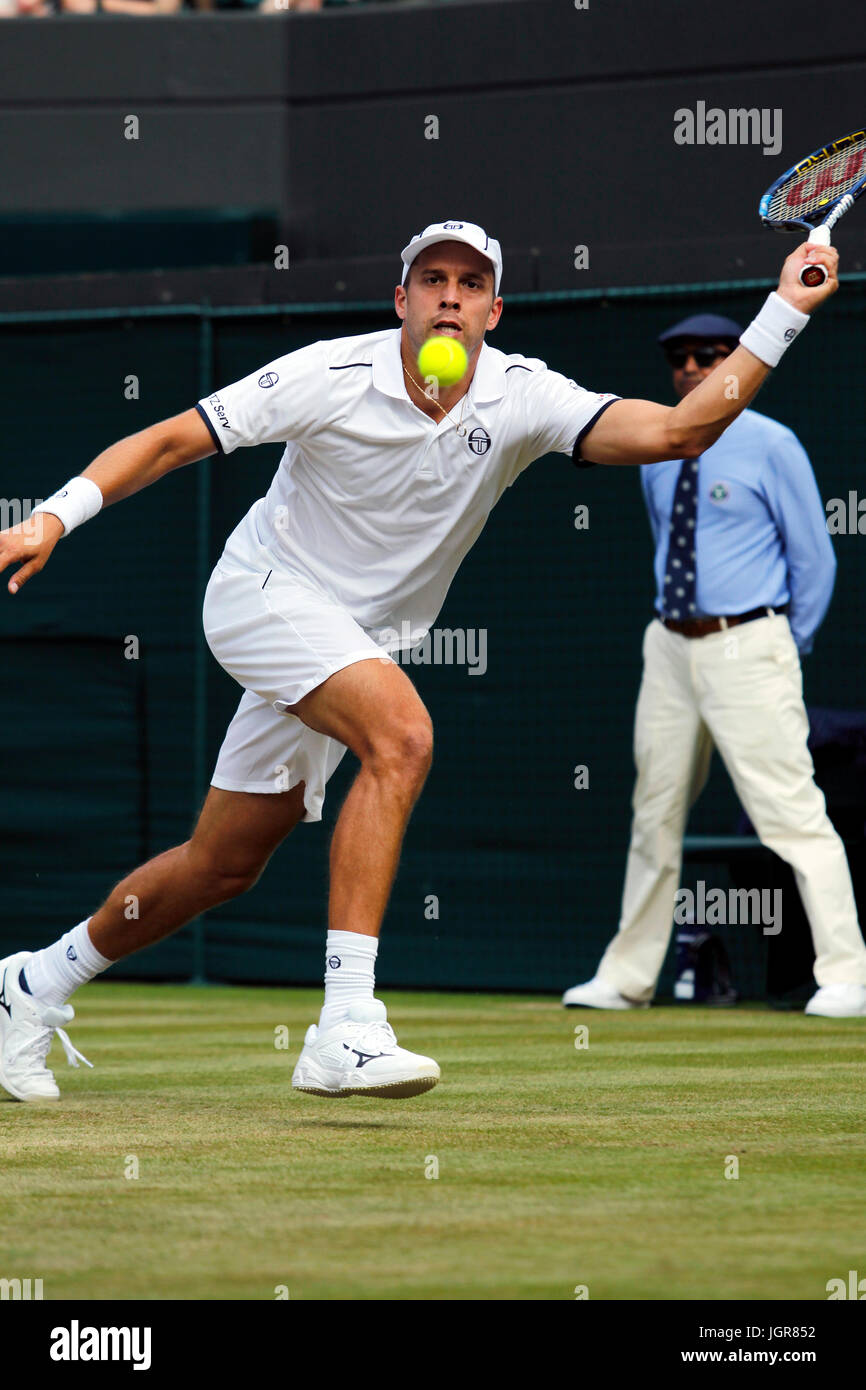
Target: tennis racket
815,193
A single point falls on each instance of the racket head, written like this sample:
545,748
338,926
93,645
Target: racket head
808,192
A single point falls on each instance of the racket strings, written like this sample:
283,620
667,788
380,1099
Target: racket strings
818,185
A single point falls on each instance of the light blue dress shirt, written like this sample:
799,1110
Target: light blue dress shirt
761,527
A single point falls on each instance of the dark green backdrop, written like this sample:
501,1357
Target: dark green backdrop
98,752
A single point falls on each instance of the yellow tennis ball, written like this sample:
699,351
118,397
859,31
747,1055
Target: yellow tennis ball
443,357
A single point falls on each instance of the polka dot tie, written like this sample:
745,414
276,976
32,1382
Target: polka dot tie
680,583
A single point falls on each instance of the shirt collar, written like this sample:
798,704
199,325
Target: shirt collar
488,383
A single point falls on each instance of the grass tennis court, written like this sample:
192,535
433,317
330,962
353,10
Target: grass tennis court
558,1167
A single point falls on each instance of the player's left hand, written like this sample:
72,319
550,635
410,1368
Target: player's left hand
31,541
805,299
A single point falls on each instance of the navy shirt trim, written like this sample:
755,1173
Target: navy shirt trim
575,455
213,434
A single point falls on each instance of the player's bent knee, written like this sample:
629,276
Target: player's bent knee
225,877
405,752
224,884
228,886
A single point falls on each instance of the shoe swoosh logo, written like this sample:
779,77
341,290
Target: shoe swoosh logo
364,1057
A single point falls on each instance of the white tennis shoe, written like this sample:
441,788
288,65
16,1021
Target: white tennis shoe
27,1029
595,994
360,1057
838,1001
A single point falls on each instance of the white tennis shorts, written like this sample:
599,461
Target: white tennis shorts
279,638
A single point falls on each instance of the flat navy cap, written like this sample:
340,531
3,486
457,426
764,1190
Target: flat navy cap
703,326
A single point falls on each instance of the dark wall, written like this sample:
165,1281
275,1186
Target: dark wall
555,129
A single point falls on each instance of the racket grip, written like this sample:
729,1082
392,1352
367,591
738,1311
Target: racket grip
813,276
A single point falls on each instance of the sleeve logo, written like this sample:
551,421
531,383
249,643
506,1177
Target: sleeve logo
268,379
219,411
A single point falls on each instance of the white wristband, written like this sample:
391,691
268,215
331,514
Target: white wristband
78,501
775,328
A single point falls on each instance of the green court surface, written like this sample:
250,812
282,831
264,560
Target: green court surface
559,1166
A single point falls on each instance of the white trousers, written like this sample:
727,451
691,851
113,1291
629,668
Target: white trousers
742,691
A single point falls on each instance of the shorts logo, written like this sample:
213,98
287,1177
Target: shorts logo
334,962
71,953
720,492
479,441
268,379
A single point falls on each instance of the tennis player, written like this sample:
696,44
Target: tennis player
382,489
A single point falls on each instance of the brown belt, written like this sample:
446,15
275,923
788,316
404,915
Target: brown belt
702,627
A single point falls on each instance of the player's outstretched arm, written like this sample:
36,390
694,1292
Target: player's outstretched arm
121,470
633,431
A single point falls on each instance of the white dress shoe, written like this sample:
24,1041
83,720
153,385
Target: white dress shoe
595,994
838,1001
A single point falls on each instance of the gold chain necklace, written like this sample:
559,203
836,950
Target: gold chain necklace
459,425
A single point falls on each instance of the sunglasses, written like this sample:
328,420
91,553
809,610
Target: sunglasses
704,356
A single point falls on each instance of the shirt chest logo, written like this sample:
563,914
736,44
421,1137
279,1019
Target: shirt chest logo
719,492
478,440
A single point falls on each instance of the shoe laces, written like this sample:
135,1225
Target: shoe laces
378,1033
73,1056
35,1048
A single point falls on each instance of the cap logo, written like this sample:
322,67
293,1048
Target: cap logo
452,226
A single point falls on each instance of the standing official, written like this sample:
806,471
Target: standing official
744,572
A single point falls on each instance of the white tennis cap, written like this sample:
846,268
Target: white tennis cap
469,232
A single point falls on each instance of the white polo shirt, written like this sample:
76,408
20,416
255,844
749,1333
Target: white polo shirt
375,504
